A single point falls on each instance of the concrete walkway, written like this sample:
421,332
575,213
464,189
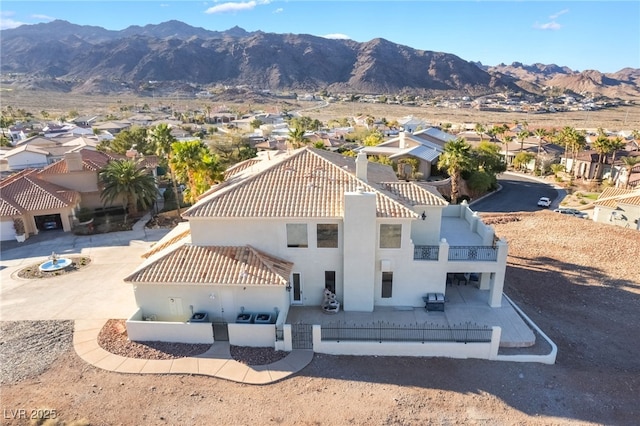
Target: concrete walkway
216,362
97,293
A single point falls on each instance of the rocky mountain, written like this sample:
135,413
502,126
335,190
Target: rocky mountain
624,84
68,57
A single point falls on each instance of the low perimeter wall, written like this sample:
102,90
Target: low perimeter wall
167,331
254,335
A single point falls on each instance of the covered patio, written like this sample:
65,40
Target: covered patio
463,304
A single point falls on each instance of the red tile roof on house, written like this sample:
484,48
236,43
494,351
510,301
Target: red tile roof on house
24,191
305,183
611,197
223,265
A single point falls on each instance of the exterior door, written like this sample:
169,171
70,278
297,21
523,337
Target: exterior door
296,289
227,305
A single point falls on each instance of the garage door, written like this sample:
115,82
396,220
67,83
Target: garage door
6,230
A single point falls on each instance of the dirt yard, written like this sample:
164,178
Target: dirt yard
578,280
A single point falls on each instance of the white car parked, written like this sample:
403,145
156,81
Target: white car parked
544,202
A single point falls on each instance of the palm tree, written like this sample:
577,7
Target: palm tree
479,129
522,135
602,146
629,162
196,165
296,137
616,145
539,134
506,141
124,180
455,158
162,139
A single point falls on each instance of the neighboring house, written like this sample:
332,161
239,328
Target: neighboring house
40,204
113,127
79,171
26,156
282,230
620,207
425,145
411,124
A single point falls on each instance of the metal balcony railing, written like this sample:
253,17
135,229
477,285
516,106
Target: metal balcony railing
426,252
473,253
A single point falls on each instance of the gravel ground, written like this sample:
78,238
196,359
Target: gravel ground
578,280
27,348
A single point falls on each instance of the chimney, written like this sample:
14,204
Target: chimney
74,161
403,143
361,166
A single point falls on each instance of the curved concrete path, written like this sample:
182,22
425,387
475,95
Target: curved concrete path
216,362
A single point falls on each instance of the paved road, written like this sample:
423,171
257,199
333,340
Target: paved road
518,193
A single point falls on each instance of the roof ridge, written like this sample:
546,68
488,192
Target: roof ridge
262,256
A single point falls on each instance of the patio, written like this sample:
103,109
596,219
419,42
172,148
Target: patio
463,304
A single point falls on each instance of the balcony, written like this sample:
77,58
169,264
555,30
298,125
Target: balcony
457,253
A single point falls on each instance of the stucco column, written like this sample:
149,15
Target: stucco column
360,236
495,292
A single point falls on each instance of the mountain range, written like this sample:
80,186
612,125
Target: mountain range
77,58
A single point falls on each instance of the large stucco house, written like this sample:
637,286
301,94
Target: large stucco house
286,227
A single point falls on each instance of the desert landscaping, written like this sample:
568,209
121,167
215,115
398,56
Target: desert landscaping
578,280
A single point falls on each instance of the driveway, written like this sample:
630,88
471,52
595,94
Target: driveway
94,292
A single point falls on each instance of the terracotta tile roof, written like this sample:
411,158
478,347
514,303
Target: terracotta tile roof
414,194
91,161
177,234
24,191
305,183
189,264
611,197
237,168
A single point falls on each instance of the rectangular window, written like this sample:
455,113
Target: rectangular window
297,287
387,284
297,235
328,235
390,236
330,281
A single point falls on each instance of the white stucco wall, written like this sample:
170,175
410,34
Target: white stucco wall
220,302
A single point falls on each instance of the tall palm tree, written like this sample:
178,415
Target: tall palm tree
629,162
539,133
616,145
602,146
455,158
124,180
162,139
522,135
196,165
296,137
479,129
506,140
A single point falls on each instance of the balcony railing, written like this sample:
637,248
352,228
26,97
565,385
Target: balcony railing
457,253
473,253
426,252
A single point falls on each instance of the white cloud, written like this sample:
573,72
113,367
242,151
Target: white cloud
337,36
547,26
278,10
235,6
42,17
6,22
556,15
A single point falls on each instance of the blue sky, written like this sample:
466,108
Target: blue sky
601,35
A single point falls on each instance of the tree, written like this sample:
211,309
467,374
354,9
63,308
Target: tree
522,135
486,157
455,158
522,159
297,138
506,140
124,180
193,163
616,145
480,130
135,137
573,141
161,140
5,122
372,139
629,162
602,146
539,134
